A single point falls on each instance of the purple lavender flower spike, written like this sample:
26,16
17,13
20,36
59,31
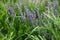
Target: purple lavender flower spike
6,6
34,1
11,10
54,3
31,16
39,15
27,10
45,15
19,8
20,11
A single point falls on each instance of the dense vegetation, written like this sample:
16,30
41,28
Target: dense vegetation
30,20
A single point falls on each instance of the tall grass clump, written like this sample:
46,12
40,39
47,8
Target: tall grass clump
29,20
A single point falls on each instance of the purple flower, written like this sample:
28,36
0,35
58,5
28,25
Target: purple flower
11,10
6,6
19,8
34,1
45,15
37,11
31,16
27,10
54,3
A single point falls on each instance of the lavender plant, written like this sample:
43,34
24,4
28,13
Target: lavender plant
23,20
